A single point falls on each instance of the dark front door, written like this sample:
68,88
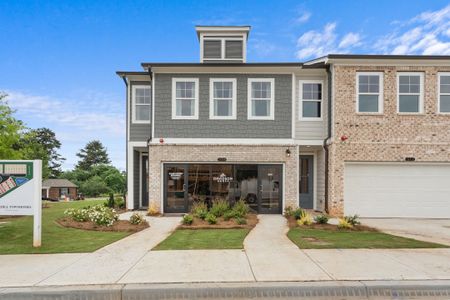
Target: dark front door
270,184
306,181
144,180
175,180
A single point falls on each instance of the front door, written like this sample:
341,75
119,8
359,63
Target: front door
175,179
269,182
144,180
306,181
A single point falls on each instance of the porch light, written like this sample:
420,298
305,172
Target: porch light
288,152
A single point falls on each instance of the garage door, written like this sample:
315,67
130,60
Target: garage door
397,190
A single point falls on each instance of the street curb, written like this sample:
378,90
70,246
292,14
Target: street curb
432,289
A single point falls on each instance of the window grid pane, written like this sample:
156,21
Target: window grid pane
311,100
185,98
222,98
261,97
409,94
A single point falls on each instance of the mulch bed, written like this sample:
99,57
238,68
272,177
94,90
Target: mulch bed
121,225
252,220
292,223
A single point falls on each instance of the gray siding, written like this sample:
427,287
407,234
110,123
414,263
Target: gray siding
136,178
311,130
239,128
138,132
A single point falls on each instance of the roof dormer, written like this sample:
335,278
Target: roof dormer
223,44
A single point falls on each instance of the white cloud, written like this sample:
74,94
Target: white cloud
319,43
427,33
303,17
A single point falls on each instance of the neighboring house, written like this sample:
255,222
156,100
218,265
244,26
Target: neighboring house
364,134
57,189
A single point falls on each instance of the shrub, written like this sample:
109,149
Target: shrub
199,210
119,202
211,219
288,211
241,221
240,209
153,209
78,214
344,224
229,215
298,213
219,207
136,218
103,216
353,220
187,219
321,219
305,219
111,200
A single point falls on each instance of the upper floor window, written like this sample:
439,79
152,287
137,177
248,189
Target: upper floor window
310,106
369,92
222,103
141,99
223,48
261,99
410,92
185,98
444,92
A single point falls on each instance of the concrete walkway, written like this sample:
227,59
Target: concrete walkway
268,256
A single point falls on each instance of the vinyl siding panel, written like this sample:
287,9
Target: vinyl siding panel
138,132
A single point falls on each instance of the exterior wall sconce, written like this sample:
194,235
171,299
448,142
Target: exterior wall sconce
161,141
288,152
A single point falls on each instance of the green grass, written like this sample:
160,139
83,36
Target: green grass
329,239
16,236
196,239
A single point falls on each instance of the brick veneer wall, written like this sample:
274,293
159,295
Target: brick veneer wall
54,193
159,154
389,137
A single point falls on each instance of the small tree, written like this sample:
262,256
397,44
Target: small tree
93,154
10,131
94,186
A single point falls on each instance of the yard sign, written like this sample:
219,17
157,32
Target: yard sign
21,192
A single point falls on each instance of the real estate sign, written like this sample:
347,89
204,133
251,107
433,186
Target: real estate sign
20,191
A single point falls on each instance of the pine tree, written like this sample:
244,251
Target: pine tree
94,153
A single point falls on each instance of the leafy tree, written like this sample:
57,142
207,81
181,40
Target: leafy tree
94,153
116,181
10,131
94,186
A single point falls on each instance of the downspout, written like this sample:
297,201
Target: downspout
150,73
325,142
125,193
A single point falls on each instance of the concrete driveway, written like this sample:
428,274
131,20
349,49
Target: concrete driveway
429,230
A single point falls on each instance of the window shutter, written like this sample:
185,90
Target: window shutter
233,49
212,49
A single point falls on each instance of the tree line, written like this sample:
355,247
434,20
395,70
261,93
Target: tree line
93,173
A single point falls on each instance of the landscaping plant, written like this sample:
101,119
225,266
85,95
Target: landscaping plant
288,211
211,218
353,220
99,214
344,224
297,213
240,209
78,214
111,200
241,221
153,209
187,219
219,207
229,215
136,218
305,219
199,210
321,219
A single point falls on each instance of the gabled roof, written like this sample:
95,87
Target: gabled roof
62,183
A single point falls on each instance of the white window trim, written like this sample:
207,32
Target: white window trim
222,47
233,99
174,98
300,102
272,99
440,93
420,94
134,104
380,93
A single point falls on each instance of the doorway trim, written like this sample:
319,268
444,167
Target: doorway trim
141,154
314,155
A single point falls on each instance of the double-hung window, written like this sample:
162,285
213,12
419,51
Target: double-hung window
222,104
410,92
185,98
261,99
369,92
310,106
444,93
141,99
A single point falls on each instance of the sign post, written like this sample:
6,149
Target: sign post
21,192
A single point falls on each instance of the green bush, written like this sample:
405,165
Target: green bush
119,202
211,219
321,219
305,219
241,221
344,224
240,209
298,213
353,220
136,218
99,214
187,219
199,210
219,207
288,211
229,215
78,214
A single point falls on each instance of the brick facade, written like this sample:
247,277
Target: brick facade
388,137
53,193
159,154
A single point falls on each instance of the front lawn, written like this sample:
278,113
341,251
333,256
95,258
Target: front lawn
313,238
16,235
196,239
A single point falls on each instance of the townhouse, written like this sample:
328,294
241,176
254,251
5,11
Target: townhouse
346,134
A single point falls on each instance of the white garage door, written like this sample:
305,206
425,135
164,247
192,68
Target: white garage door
397,190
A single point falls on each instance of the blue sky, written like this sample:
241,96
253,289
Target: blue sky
58,58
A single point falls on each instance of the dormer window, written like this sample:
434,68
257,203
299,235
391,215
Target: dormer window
223,44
